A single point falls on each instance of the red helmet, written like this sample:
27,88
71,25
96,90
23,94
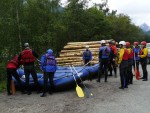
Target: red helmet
143,43
128,44
136,43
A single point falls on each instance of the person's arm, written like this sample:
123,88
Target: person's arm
145,53
42,62
90,55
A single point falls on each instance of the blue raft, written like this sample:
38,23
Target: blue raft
63,78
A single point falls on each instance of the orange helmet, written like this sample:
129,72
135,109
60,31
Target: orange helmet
143,43
128,44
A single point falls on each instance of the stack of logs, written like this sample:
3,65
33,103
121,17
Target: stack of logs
72,53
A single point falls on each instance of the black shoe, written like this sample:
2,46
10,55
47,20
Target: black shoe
110,74
98,80
105,80
29,93
24,92
9,94
144,79
43,95
38,92
126,87
50,92
121,87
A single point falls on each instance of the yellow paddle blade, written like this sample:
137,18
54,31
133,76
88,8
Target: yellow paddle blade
79,91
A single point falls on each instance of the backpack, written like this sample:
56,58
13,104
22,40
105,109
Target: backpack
50,60
27,56
87,53
105,52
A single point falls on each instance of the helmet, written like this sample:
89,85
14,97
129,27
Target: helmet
122,43
128,44
87,47
136,43
103,41
49,51
26,44
143,43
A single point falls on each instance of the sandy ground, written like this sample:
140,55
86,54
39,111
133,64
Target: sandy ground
108,98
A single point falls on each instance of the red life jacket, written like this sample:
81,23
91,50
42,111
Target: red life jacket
114,49
125,55
131,54
13,63
27,56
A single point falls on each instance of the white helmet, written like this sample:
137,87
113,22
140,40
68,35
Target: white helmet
122,43
102,41
87,46
26,44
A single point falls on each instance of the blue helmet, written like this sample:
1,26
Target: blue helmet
49,51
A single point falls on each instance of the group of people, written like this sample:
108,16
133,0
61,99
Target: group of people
128,58
27,58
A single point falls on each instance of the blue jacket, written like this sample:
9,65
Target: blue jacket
46,67
136,52
87,55
104,52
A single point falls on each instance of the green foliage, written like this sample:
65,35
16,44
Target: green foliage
46,24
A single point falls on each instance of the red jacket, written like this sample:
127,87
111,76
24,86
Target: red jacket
13,63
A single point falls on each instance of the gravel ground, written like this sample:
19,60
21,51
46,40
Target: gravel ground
108,98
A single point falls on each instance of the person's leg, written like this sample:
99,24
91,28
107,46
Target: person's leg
9,77
106,69
16,76
144,67
121,76
27,75
45,84
34,75
52,88
100,71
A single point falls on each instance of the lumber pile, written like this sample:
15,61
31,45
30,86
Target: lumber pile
72,53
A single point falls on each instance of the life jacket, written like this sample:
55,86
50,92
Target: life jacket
49,60
125,55
114,49
105,52
13,63
27,56
131,54
87,54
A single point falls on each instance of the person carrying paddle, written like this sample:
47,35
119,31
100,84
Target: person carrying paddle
104,53
49,67
28,56
87,55
143,56
136,52
11,69
123,64
130,63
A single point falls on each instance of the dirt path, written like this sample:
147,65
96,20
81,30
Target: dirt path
107,99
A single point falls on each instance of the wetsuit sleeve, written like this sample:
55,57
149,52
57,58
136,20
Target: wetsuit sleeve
145,53
120,55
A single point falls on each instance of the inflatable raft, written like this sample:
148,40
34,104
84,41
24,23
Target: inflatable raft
63,78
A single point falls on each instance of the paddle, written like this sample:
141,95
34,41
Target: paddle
136,71
78,89
88,91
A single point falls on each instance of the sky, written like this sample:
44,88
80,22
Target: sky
137,10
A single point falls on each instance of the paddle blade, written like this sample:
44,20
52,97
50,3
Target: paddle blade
137,74
79,91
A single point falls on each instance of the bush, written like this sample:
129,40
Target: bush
2,76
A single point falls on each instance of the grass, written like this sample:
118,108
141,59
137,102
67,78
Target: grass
2,85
